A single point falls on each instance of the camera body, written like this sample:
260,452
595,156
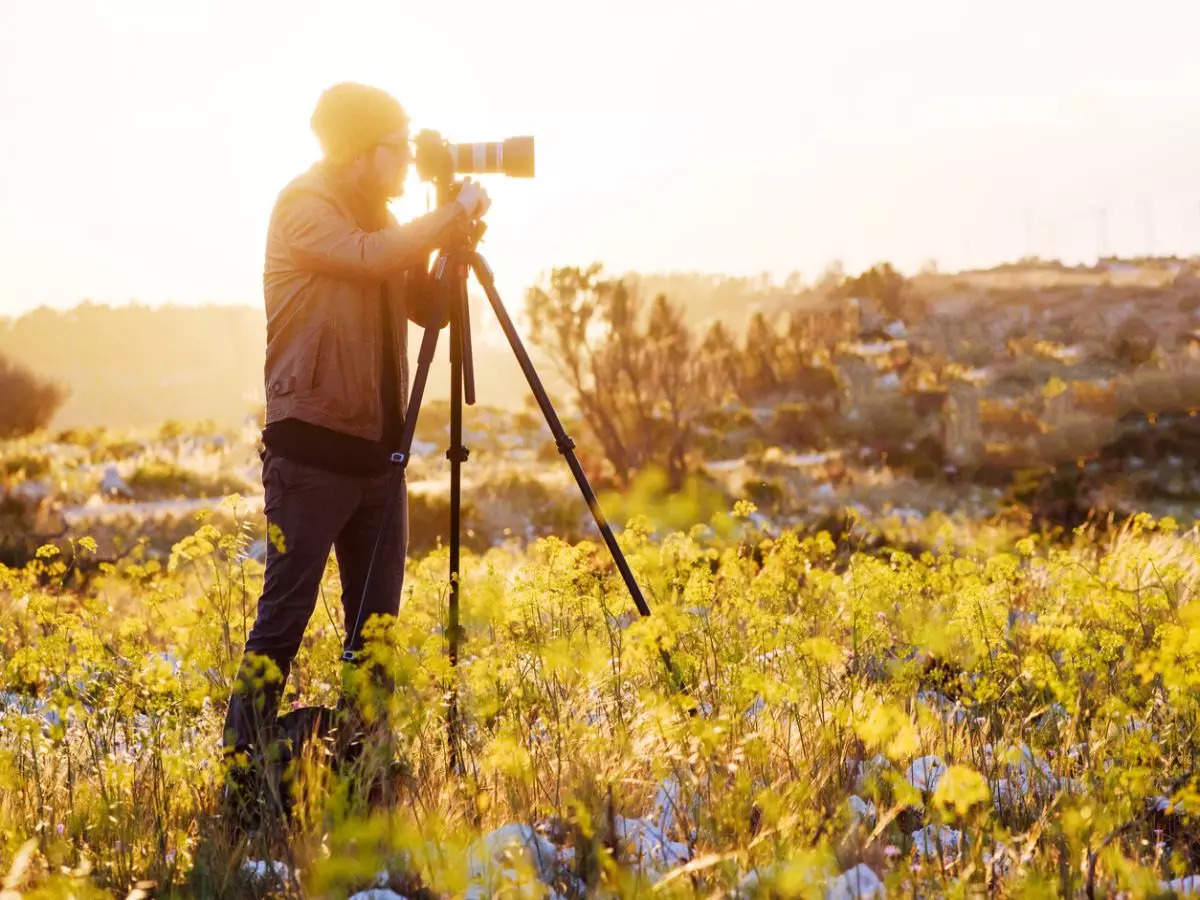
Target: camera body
439,161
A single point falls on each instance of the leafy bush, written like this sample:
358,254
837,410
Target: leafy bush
883,284
801,425
27,401
157,479
1134,341
30,465
643,381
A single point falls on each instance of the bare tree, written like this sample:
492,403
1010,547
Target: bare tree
638,376
762,361
721,362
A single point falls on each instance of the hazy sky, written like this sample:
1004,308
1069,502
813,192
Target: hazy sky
142,143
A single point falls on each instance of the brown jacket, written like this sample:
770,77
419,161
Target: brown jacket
329,267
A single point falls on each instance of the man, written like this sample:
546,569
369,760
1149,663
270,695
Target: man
340,282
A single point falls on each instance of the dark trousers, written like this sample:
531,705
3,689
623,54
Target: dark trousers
309,510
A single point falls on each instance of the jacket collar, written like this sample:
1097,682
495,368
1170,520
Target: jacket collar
370,213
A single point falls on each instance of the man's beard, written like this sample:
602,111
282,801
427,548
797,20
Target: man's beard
389,192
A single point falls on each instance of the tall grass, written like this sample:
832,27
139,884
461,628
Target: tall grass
1037,703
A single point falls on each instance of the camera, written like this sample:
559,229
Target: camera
439,161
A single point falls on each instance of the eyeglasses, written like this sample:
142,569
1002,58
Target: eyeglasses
401,147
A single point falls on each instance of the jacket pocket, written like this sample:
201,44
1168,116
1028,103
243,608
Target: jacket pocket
298,370
282,385
341,380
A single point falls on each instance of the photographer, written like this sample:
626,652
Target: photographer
341,281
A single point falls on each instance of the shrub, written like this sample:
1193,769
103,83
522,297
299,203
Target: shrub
161,480
1134,342
28,464
82,436
884,423
801,425
768,494
884,285
27,401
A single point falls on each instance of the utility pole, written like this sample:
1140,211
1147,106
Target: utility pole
1148,209
1101,233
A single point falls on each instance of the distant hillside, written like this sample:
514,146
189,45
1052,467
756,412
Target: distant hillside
139,365
731,298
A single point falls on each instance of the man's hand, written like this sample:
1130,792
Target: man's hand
473,198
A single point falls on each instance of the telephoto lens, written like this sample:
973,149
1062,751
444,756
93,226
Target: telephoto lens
513,157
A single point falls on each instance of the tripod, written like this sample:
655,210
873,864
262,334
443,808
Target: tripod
450,272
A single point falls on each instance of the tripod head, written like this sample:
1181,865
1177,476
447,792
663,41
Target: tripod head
449,278
472,232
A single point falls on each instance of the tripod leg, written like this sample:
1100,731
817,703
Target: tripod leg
464,347
457,454
565,445
417,391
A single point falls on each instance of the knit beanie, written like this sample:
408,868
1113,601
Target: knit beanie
351,118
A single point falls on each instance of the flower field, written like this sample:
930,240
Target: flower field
939,708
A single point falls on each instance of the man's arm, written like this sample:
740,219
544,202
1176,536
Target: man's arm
320,240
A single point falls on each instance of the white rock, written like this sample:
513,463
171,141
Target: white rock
1069,785
870,348
1189,884
723,465
926,840
749,883
755,708
861,810
496,857
262,868
806,460
925,773
1033,774
649,848
1029,762
32,492
666,808
377,894
257,551
762,414
1166,806
855,883
998,858
113,483
422,448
